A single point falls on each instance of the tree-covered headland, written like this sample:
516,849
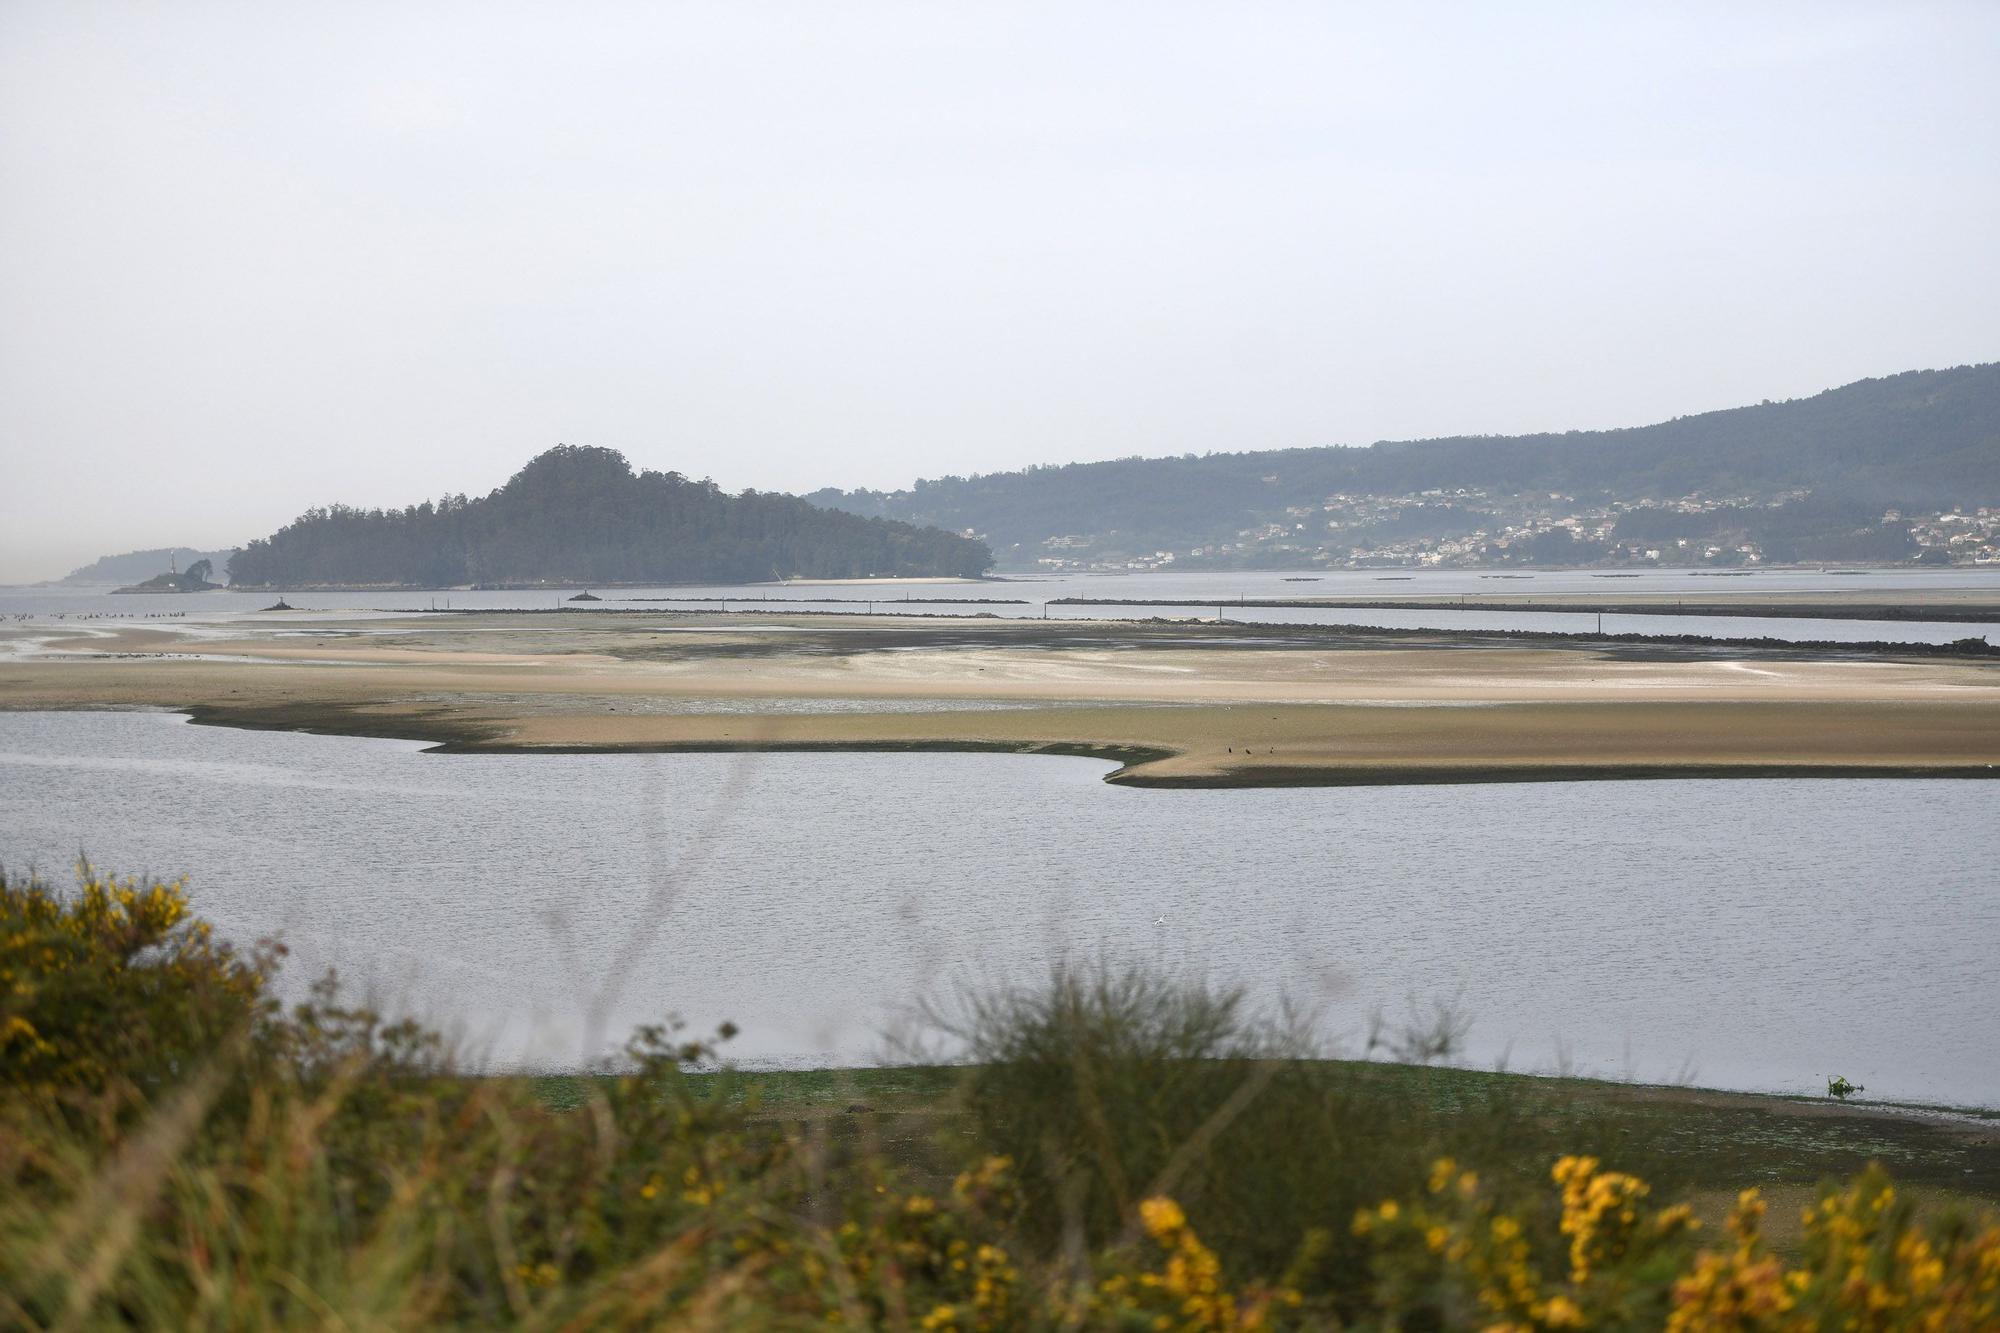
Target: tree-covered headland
583,515
197,577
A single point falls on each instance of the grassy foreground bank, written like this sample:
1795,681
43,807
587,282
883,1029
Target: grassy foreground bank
1703,1140
1121,1152
1701,1144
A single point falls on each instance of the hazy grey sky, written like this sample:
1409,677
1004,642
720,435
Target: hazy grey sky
257,256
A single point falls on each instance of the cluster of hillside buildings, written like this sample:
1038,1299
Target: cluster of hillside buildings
1971,538
1469,527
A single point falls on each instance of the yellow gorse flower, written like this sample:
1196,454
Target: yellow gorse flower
83,973
1600,1212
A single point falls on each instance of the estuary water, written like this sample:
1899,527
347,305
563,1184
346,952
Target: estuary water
52,607
1745,934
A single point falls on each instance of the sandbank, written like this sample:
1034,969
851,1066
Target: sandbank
1174,705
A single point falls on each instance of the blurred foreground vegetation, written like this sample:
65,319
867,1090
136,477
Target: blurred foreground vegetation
179,1151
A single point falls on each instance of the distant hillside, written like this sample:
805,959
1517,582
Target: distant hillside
1925,437
581,515
134,566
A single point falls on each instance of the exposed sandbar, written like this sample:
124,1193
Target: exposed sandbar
1213,709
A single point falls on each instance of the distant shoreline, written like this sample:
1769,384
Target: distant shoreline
1574,604
749,606
887,581
141,590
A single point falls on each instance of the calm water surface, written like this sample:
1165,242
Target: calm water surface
41,606
1753,934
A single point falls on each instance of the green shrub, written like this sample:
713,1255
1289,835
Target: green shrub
114,983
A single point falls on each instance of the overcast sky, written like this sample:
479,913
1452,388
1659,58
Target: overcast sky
259,256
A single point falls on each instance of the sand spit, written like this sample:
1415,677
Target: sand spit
1174,705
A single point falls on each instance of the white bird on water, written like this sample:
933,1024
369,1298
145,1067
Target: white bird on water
1160,921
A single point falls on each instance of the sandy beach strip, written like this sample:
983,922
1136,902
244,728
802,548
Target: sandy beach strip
1212,714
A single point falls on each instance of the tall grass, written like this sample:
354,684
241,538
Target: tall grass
1110,1085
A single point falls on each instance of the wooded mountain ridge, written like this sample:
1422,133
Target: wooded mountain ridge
1922,437
581,515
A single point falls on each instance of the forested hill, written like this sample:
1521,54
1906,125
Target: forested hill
581,515
1930,436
